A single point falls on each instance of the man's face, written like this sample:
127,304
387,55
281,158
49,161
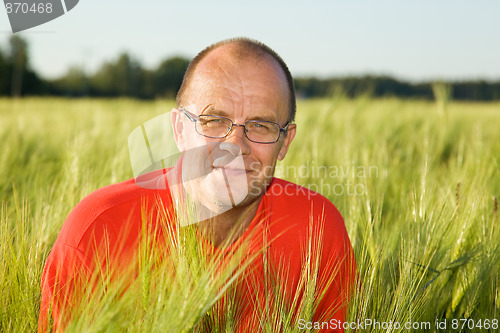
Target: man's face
241,91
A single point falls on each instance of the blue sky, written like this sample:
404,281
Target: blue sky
413,40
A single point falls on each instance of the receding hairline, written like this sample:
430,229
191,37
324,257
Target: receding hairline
241,48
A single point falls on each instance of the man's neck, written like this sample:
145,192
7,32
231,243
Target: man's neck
227,227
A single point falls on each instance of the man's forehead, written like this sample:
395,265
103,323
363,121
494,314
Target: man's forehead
229,59
228,75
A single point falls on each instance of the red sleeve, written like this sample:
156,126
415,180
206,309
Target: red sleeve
70,265
62,269
314,241
104,226
337,273
70,272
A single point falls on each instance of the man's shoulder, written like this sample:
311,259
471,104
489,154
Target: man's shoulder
297,211
110,205
285,190
107,197
295,199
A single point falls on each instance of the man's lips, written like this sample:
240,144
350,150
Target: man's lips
232,170
235,165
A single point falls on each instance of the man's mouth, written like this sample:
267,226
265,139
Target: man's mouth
232,171
230,164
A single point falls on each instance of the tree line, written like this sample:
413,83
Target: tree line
126,77
385,86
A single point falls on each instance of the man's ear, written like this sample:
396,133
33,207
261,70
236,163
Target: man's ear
290,134
178,129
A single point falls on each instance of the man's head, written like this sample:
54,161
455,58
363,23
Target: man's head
241,80
243,47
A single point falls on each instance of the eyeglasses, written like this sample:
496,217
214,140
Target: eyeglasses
217,127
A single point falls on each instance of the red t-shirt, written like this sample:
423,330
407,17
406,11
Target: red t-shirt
110,221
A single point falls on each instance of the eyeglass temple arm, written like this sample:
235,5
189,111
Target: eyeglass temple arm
285,128
189,115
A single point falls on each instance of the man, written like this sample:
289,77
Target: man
234,120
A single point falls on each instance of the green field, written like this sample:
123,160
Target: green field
418,184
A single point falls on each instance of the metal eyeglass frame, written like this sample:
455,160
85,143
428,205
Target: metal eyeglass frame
194,119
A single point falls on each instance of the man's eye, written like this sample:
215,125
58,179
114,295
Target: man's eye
212,122
261,126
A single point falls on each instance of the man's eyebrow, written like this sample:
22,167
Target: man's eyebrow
265,118
215,112
222,113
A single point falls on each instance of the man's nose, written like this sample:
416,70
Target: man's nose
238,137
